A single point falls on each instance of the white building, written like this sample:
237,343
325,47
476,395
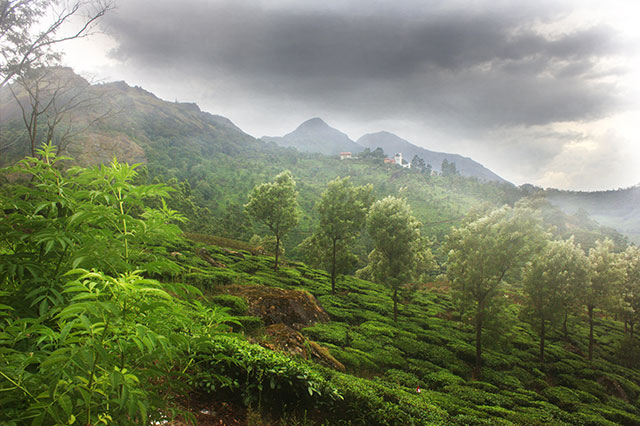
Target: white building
344,155
398,160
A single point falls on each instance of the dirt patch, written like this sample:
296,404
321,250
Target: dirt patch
613,388
294,308
209,411
285,339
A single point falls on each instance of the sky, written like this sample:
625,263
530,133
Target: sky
540,92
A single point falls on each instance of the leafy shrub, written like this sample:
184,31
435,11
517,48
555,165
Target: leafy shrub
331,332
247,324
564,398
401,378
477,396
628,352
109,347
464,351
209,279
502,379
237,305
442,378
354,360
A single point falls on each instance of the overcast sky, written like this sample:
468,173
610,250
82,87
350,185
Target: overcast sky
542,92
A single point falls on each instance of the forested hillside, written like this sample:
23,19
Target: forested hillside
109,315
619,209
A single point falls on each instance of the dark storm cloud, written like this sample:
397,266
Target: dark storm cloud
482,67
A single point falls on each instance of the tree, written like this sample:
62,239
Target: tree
552,276
418,164
448,168
30,29
395,234
47,98
629,291
482,252
605,273
342,209
274,204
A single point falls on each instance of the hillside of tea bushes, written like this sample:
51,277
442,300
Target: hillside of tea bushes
110,316
427,348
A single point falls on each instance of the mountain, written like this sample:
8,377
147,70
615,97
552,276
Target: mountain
128,122
315,135
619,209
218,164
391,144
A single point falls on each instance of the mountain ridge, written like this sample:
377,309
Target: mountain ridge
391,143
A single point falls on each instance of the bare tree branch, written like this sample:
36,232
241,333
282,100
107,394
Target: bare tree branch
20,49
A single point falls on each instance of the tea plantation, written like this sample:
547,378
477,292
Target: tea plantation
428,348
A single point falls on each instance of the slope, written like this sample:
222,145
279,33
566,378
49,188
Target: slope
428,347
619,209
136,126
391,144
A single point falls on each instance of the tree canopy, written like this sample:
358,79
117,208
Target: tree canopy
274,205
481,253
395,234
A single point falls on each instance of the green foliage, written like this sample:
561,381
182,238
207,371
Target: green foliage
395,233
237,305
342,209
88,346
248,324
552,281
482,253
274,205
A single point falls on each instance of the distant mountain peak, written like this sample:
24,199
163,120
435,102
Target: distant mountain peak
315,135
313,123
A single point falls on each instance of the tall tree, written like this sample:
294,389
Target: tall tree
482,252
552,275
606,272
275,205
395,234
31,29
629,291
343,209
418,164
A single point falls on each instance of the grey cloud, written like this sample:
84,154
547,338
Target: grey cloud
486,67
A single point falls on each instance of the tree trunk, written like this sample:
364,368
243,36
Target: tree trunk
479,319
275,267
631,329
625,327
590,308
564,324
333,268
395,305
542,330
